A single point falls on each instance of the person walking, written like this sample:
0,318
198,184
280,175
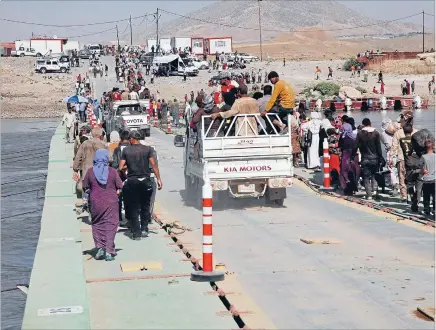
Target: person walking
138,189
349,170
396,156
106,69
82,109
69,120
388,131
369,145
330,75
103,185
116,158
313,130
428,178
85,155
382,87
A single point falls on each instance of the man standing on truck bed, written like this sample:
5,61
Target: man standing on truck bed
282,101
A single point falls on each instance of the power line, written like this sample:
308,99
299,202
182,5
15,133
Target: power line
71,25
293,31
429,14
91,34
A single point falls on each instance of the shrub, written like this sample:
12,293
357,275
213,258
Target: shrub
350,62
361,89
327,88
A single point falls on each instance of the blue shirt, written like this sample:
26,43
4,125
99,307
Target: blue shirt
82,107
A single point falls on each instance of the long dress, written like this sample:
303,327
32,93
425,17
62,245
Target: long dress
313,160
350,170
103,200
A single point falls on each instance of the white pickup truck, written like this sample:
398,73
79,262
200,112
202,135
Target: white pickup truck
241,165
128,115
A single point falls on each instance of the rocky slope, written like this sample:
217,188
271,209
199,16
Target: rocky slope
277,18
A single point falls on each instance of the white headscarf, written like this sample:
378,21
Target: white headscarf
115,137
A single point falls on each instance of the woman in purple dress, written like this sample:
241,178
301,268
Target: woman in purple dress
103,184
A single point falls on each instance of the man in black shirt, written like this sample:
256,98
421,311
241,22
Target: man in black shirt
368,142
138,187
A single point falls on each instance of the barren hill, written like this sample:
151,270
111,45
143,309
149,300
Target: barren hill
278,17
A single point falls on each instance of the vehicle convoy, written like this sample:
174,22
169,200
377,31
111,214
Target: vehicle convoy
242,165
128,115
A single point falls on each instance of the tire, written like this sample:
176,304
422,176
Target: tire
147,132
22,55
202,67
63,70
279,202
43,70
38,55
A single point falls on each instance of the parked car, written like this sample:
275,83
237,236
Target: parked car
247,57
84,54
51,65
200,64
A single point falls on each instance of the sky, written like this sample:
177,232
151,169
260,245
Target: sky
83,12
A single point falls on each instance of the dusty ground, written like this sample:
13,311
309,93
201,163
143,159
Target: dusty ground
301,75
320,45
26,94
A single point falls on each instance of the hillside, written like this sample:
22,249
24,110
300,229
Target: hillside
277,18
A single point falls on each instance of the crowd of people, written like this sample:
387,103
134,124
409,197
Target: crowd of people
111,176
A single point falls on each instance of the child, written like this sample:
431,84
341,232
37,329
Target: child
428,179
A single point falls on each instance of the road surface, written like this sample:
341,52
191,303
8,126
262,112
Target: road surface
374,277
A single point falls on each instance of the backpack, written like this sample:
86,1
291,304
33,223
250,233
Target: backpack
307,139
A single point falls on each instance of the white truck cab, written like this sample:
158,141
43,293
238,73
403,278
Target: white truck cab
21,52
244,165
129,115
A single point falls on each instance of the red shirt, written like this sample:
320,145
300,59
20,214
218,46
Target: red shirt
116,96
226,88
216,97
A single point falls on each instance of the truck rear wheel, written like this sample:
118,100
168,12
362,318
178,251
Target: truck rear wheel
63,70
279,202
147,132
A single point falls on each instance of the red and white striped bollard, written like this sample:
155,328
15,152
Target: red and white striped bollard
168,124
207,274
326,165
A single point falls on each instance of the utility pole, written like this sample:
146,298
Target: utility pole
131,33
260,31
423,41
157,29
118,38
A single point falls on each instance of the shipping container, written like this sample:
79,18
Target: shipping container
151,43
197,45
71,45
165,44
180,43
220,45
45,45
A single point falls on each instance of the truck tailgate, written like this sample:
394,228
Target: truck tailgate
135,120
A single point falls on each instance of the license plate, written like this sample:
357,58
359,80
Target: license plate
246,188
133,129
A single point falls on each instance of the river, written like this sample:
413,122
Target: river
25,145
24,159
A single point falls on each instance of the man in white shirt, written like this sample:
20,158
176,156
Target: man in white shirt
134,95
69,120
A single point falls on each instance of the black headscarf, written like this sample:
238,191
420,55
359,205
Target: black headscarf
229,98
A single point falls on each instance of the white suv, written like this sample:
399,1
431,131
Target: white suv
51,65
